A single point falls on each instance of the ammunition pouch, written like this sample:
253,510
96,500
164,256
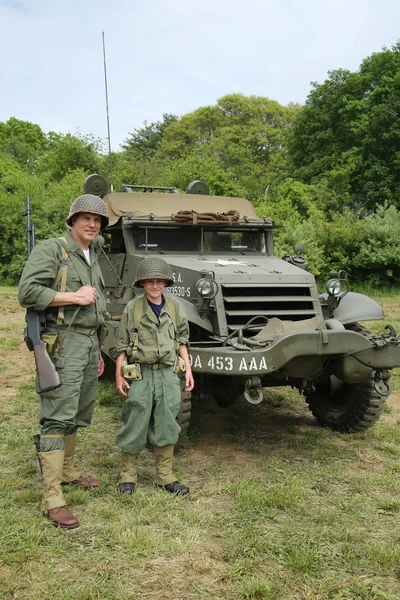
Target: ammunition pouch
102,333
51,339
131,372
179,366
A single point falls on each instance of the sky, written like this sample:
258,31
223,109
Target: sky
173,56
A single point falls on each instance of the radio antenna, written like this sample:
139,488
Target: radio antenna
108,116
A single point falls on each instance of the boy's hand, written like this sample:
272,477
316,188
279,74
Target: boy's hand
122,385
100,368
189,380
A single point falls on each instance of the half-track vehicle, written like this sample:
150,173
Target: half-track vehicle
256,320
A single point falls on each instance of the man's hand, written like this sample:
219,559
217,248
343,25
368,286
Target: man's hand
121,385
85,295
100,368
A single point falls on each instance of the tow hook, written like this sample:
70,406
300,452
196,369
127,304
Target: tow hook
381,382
252,390
386,339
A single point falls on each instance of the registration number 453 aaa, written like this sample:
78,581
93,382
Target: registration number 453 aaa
225,363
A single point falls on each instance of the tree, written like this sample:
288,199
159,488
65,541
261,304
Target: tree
349,132
23,142
67,152
144,142
245,136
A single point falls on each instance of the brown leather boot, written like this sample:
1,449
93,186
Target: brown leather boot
83,482
62,517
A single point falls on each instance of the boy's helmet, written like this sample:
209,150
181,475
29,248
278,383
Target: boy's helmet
91,204
153,268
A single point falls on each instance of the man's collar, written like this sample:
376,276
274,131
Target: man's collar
72,243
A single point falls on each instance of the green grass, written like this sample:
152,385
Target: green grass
281,509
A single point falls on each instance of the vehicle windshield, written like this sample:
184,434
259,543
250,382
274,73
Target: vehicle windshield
195,239
167,240
242,241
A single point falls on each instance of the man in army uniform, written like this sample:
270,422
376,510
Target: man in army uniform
153,333
62,277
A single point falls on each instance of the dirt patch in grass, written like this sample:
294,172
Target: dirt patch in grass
18,363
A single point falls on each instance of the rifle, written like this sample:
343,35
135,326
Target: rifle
47,377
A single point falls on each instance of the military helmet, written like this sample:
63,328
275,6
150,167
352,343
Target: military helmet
89,203
153,268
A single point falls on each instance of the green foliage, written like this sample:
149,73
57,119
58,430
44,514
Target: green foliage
65,153
244,136
378,259
348,132
22,142
145,141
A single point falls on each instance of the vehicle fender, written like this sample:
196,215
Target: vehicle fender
334,324
356,307
193,315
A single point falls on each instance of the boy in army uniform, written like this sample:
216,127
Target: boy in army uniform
152,333
62,277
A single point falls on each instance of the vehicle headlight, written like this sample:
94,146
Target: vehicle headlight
334,287
204,287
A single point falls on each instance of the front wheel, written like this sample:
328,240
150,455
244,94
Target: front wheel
346,407
183,417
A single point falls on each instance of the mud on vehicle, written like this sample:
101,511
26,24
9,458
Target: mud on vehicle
256,320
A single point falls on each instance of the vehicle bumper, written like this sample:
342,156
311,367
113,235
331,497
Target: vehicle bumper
298,354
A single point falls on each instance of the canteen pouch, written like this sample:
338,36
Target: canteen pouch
131,372
51,340
179,366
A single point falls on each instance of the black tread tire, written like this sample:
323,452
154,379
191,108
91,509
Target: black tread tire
184,415
357,328
351,407
218,390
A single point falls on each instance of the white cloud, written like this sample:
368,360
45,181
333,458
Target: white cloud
173,56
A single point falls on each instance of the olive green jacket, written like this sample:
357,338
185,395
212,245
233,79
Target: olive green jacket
156,339
35,286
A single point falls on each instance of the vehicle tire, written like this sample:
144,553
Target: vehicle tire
346,407
357,328
183,417
220,390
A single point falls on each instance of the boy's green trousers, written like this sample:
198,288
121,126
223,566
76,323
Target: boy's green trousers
150,411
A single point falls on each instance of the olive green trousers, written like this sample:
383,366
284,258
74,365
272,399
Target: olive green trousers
70,406
150,411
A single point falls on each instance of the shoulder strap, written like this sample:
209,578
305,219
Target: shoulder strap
170,302
171,309
62,271
61,278
137,315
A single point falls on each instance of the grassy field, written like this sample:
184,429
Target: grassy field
280,509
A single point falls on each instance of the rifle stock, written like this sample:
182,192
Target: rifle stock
47,376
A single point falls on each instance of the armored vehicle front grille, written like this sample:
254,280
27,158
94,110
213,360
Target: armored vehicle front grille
245,301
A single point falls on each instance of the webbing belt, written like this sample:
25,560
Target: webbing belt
79,329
